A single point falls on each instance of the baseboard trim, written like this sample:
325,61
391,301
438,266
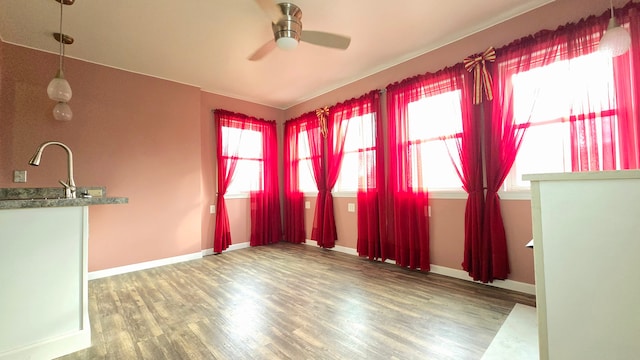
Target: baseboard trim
52,348
503,284
143,265
454,273
436,269
338,248
160,262
231,247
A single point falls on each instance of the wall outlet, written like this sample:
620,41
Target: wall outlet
351,207
95,192
212,209
307,204
20,176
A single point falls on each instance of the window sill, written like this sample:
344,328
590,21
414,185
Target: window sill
515,195
344,194
335,194
236,196
444,195
448,194
453,194
504,195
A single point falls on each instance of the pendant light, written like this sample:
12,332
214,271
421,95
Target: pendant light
616,40
59,89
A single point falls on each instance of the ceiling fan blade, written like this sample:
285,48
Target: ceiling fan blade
271,9
326,39
263,50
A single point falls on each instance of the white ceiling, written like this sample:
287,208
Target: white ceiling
206,43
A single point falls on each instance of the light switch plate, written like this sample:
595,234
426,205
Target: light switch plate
212,209
307,204
20,176
351,207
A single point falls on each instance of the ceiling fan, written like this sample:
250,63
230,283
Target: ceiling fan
287,30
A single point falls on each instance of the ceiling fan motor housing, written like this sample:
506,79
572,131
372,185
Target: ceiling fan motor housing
290,24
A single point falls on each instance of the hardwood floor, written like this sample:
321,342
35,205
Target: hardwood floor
289,301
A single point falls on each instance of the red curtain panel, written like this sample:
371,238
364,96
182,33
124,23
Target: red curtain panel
626,70
409,196
266,226
227,159
294,230
372,236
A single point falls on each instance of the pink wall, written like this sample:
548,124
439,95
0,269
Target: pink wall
139,136
152,141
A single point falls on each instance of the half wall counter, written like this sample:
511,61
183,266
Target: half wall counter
43,270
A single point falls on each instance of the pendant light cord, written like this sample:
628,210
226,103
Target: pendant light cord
61,36
611,2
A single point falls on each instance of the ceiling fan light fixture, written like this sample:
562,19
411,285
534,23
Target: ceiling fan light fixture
286,23
616,40
287,30
287,43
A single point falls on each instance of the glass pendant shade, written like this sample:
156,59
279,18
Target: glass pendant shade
616,40
59,88
62,112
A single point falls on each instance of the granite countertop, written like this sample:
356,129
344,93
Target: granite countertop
23,198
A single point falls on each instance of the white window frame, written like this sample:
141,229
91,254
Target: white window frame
304,158
247,156
452,192
512,189
351,124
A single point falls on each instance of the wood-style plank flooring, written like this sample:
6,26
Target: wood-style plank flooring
287,301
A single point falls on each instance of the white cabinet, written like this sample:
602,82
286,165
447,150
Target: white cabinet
586,228
43,282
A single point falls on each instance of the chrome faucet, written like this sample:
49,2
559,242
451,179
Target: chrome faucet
70,185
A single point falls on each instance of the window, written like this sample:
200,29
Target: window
556,100
359,150
434,122
249,168
306,180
